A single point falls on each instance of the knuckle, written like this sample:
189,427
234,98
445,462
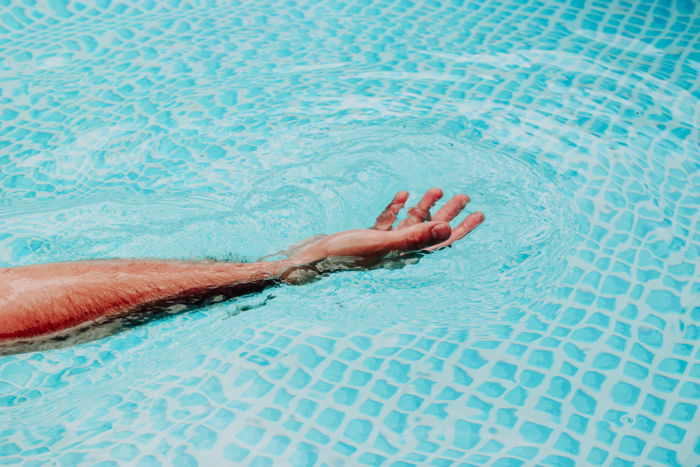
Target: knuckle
384,220
419,213
414,241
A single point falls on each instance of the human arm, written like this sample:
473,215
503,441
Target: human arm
45,298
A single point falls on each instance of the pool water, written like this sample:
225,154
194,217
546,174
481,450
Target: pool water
563,331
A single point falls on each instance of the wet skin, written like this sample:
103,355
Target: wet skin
45,299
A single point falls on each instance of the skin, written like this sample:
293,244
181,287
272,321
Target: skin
45,299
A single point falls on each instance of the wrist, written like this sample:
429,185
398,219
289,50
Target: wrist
293,270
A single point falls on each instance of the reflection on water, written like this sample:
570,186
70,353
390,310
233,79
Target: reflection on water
562,331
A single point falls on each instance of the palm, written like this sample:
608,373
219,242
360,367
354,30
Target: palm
416,232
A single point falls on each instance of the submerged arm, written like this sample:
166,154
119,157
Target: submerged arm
46,298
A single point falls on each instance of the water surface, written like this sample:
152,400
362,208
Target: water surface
563,331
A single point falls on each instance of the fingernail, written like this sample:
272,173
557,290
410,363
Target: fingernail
440,232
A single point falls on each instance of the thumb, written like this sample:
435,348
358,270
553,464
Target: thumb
419,236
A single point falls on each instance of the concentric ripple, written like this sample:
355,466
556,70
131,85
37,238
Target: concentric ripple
563,331
531,219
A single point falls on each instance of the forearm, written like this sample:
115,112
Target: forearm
42,299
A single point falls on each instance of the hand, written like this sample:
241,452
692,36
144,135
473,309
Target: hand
367,247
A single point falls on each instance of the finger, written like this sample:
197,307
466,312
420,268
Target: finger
419,237
373,243
388,216
471,222
421,212
452,208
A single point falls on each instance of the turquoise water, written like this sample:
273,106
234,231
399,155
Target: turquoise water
564,331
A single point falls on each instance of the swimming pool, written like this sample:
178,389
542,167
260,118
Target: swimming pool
564,331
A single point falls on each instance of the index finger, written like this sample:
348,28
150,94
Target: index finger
386,219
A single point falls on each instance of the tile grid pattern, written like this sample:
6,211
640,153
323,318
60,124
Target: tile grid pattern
604,372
